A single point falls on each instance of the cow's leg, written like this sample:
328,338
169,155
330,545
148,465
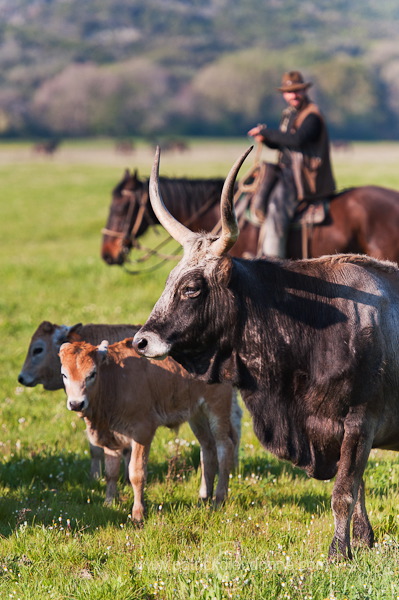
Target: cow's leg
138,477
209,461
112,460
355,450
362,530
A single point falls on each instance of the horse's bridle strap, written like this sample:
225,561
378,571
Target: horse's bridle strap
110,232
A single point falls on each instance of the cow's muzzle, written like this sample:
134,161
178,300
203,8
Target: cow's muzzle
26,380
77,405
150,345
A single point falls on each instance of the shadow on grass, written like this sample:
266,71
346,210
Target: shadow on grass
49,488
41,488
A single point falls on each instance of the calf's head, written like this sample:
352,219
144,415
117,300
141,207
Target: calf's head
80,362
42,363
188,319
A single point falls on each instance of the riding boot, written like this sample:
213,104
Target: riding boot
274,231
268,178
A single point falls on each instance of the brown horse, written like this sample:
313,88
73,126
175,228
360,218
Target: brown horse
194,202
362,220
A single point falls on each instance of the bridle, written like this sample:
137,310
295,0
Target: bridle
245,186
124,234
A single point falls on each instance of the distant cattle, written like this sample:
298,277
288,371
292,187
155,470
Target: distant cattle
43,366
125,147
313,346
173,145
124,399
48,147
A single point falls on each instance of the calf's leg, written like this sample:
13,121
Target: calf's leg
96,456
209,462
221,430
127,452
138,477
112,459
96,452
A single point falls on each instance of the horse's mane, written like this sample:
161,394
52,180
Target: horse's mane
189,195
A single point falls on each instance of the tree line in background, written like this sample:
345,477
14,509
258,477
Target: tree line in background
171,67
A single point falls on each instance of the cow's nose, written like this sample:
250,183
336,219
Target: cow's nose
23,380
150,345
76,405
140,345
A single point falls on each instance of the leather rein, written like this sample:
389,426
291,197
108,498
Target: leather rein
132,236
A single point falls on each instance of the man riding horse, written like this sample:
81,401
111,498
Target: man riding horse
303,170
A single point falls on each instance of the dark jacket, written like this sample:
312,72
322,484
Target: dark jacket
302,139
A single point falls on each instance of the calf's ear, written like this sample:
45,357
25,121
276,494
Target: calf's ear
102,350
63,346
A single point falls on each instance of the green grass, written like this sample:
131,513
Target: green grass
58,540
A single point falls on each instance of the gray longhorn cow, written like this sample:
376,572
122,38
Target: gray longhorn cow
313,346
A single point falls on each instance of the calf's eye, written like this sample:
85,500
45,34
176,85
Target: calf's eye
90,378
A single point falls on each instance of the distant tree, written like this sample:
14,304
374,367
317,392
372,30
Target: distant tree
85,99
234,92
350,96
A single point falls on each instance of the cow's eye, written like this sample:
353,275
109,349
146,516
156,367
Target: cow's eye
37,351
191,291
90,378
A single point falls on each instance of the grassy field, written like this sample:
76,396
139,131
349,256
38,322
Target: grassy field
58,540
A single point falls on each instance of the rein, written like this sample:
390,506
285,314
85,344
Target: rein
245,186
149,252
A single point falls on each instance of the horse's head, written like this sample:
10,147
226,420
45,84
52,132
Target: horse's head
126,219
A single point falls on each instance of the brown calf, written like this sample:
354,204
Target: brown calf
125,398
43,366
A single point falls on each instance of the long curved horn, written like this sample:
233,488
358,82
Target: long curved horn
177,230
230,231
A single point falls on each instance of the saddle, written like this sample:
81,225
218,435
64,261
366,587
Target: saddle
314,212
308,212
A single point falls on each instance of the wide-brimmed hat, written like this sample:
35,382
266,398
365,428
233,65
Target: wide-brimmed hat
293,82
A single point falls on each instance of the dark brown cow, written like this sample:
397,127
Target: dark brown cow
313,346
124,399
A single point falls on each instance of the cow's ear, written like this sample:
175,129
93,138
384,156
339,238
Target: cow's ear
47,326
223,270
61,335
73,335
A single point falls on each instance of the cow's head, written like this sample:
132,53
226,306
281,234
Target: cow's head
185,321
42,363
79,367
